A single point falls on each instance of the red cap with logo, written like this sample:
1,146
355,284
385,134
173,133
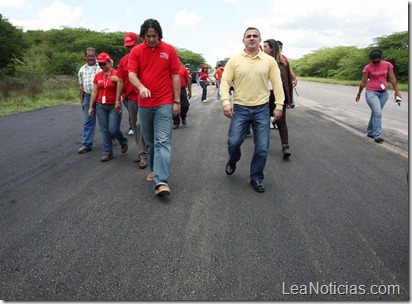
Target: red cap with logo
130,39
103,57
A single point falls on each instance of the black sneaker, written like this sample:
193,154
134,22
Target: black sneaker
379,140
175,126
230,168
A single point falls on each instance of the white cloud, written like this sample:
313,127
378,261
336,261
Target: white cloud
129,10
57,15
185,19
304,26
20,4
58,11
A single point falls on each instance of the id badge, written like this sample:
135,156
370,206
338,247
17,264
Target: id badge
104,100
382,86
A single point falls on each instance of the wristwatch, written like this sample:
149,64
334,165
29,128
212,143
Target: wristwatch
177,102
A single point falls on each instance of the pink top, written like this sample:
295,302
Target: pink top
378,75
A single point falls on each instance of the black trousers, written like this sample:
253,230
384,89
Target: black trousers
184,107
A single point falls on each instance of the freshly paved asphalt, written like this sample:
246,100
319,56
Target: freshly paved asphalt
72,228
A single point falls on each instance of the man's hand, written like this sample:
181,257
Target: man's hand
118,107
176,109
228,111
277,114
145,93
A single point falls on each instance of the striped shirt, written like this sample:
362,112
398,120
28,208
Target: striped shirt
86,75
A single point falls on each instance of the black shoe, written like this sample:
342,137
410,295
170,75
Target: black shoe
257,186
379,140
184,121
370,135
175,126
286,153
230,168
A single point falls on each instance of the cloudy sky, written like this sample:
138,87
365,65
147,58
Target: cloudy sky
214,28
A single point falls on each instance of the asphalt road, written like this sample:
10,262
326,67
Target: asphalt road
333,223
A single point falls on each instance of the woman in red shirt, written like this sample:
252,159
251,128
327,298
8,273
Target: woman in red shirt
108,111
204,78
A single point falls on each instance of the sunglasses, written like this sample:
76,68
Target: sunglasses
103,64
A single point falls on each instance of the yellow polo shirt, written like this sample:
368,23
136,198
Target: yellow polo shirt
250,76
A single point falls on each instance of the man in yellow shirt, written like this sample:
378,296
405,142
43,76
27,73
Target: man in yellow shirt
250,70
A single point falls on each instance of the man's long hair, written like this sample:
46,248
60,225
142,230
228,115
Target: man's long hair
151,23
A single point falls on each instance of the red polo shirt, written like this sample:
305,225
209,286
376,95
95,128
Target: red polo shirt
184,74
154,68
106,87
129,91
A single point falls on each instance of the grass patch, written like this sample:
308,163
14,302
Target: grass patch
57,90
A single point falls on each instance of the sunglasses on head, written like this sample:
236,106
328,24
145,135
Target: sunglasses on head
102,64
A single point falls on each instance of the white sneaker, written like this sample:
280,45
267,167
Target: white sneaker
131,132
205,100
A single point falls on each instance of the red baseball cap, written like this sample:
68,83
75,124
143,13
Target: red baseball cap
103,57
130,39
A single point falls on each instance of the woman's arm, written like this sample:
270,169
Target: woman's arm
362,85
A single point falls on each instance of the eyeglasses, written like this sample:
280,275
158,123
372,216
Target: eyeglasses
103,64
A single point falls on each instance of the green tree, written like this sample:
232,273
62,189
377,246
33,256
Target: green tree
189,57
347,62
12,47
395,48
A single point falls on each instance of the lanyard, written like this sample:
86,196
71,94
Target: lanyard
106,81
380,68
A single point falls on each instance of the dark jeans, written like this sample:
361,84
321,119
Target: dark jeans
281,122
184,107
243,118
204,92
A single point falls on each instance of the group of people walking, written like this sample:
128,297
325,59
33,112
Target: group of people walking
155,87
147,82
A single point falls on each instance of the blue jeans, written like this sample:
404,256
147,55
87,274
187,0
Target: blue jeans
204,92
89,124
109,121
218,90
376,101
257,117
157,132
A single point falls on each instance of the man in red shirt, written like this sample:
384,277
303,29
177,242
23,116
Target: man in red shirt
185,95
129,94
154,71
